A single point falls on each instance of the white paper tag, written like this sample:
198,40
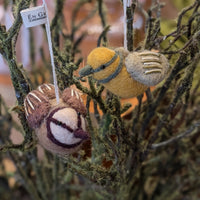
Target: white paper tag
34,16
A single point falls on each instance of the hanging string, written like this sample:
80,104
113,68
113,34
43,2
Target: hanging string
126,3
125,27
47,25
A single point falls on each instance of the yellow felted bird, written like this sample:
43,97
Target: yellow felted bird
126,74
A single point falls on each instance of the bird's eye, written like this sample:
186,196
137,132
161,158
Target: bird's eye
103,66
59,123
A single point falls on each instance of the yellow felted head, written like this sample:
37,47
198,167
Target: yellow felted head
99,57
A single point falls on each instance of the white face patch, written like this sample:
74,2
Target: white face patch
68,117
63,135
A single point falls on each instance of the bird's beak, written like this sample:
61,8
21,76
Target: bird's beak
80,133
85,71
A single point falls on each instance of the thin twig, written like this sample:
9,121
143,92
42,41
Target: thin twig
187,133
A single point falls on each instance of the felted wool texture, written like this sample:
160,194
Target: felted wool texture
123,84
69,117
73,99
59,127
37,117
136,68
100,56
48,90
47,144
122,51
41,108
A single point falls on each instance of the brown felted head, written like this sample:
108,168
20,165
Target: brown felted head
63,131
60,127
73,99
36,107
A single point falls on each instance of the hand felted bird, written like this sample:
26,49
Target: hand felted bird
60,127
126,74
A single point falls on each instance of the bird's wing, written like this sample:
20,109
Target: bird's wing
147,67
36,106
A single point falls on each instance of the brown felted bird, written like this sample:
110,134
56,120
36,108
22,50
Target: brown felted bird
126,74
61,127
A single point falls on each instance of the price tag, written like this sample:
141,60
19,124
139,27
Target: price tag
34,16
